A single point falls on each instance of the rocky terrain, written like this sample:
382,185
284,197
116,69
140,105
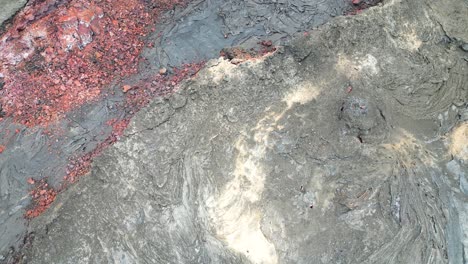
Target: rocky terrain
69,84
346,143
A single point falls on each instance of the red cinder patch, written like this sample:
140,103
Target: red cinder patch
42,197
126,88
118,126
58,55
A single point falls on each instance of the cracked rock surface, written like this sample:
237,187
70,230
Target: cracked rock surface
193,33
279,161
186,34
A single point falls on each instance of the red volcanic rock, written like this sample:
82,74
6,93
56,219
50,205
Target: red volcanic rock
126,88
58,55
42,195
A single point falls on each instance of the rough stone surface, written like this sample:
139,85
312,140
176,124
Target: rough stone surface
277,161
200,31
196,32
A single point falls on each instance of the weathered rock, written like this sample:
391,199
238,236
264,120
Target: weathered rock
362,118
464,47
73,88
284,184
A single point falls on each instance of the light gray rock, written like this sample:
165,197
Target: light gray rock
9,8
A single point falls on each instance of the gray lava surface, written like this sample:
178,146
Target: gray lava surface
200,31
348,145
9,8
195,33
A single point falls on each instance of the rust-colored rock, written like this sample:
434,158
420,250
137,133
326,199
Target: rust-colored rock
42,195
57,56
126,88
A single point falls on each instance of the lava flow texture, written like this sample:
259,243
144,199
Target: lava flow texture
57,55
